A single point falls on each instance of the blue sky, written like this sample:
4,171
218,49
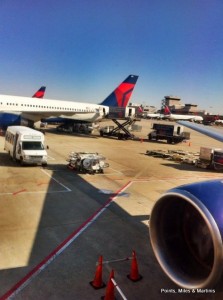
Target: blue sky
81,50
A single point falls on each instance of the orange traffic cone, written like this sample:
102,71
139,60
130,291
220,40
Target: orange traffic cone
110,290
97,283
134,273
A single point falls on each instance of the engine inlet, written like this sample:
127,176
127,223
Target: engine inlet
186,240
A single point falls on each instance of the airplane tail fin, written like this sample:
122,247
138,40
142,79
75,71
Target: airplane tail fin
121,95
40,93
167,110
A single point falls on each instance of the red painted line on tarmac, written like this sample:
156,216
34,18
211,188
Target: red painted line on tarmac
41,183
18,192
20,285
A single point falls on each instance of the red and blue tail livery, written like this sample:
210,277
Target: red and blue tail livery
40,93
167,110
15,110
121,95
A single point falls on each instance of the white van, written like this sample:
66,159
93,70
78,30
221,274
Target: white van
25,145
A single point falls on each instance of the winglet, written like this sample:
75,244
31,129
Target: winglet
40,93
121,95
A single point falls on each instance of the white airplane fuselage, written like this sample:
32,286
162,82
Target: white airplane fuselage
33,110
154,116
175,117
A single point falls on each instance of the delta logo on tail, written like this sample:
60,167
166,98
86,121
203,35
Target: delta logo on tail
121,95
167,110
40,93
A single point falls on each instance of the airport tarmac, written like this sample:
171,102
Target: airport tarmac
56,223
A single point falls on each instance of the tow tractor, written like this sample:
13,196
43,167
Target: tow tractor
87,162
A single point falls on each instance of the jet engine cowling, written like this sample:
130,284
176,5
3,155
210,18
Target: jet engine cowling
186,230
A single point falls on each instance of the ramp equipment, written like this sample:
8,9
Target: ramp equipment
120,130
87,162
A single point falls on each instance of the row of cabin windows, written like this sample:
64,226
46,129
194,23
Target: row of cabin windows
40,106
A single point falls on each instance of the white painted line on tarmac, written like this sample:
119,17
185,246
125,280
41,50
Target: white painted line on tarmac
19,286
50,157
66,188
116,171
36,192
24,191
25,281
118,289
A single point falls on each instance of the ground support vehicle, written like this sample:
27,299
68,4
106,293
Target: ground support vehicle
210,158
87,162
25,145
173,134
210,119
75,128
121,130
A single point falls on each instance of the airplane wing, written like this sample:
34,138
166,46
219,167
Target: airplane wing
211,132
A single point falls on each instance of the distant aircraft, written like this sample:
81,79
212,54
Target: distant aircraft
175,117
154,116
40,93
27,111
219,122
8,118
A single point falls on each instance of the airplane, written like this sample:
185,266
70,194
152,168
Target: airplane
218,122
27,111
7,119
176,117
118,98
154,116
40,93
186,230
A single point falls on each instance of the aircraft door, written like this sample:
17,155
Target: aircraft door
15,145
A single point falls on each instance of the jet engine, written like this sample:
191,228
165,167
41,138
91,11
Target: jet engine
186,229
